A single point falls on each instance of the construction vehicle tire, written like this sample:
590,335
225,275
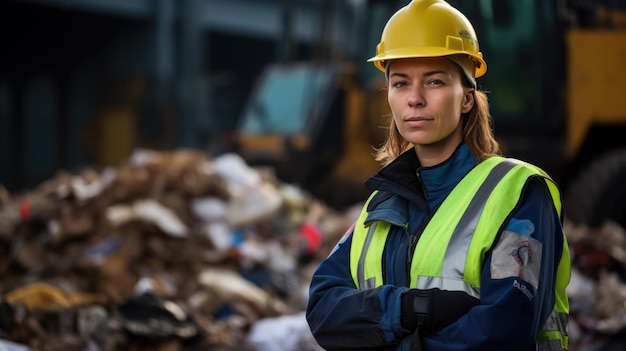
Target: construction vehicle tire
598,194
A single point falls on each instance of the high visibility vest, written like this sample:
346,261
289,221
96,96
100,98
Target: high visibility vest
451,250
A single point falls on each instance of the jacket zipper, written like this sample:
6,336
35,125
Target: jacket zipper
419,180
414,237
409,257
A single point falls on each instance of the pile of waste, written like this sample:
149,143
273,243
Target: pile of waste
597,289
169,251
178,250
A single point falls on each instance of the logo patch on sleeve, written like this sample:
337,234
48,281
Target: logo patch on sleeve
517,255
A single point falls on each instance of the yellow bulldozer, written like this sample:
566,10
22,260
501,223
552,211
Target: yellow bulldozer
556,81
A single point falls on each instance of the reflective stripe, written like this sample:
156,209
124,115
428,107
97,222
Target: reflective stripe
554,330
371,282
563,273
368,244
549,345
358,252
373,274
556,322
425,282
456,253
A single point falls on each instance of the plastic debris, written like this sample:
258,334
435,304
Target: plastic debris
169,251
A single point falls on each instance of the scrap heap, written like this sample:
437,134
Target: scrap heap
170,251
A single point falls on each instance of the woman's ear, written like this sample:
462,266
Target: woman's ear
468,101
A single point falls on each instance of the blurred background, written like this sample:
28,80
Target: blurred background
83,83
285,84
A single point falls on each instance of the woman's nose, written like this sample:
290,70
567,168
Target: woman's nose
416,96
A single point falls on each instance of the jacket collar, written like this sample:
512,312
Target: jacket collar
399,178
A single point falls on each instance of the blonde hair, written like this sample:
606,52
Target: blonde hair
477,134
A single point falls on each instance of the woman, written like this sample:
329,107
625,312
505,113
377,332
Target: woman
457,248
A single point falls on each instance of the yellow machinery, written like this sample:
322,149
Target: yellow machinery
595,145
596,82
317,127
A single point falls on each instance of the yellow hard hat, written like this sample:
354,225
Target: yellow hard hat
429,28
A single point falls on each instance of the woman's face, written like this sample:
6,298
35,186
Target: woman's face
427,98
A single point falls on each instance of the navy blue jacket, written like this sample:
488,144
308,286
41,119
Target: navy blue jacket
343,317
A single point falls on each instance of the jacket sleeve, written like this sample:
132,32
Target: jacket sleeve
515,302
342,317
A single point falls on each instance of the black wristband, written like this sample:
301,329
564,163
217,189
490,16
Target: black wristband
415,308
421,307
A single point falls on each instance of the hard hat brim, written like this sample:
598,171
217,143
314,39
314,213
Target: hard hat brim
380,59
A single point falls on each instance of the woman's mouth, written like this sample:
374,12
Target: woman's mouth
417,121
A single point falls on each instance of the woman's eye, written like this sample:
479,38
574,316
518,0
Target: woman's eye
435,82
399,84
